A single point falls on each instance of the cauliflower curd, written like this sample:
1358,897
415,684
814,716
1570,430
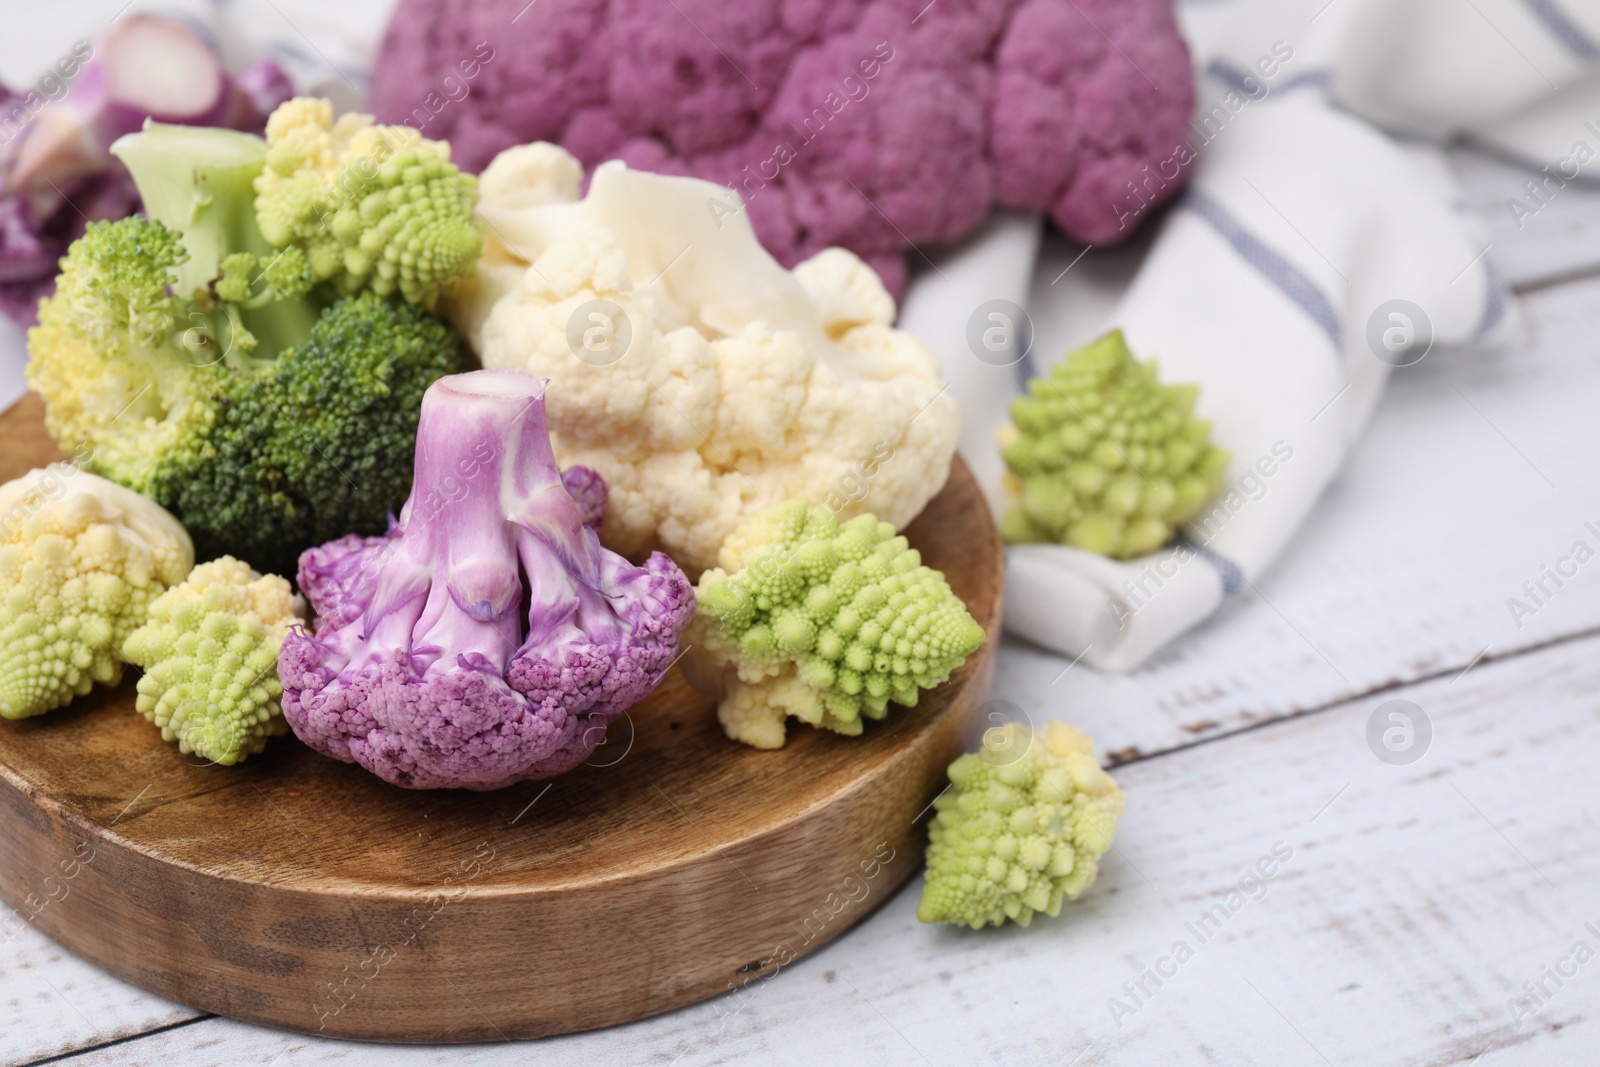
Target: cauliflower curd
824,622
705,382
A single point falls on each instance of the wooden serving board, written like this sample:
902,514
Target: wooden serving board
303,893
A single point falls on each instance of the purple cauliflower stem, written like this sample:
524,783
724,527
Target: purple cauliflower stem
487,638
868,124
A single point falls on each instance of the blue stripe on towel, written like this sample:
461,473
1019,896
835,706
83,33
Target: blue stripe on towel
1230,573
1234,77
1279,271
1240,81
1320,78
1494,301
1556,21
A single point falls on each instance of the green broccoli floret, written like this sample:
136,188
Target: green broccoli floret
209,650
1021,829
81,560
252,282
320,446
374,206
825,622
1104,457
267,414
208,205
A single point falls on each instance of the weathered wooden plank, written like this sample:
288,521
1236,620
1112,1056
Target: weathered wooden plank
1406,904
52,1002
1535,235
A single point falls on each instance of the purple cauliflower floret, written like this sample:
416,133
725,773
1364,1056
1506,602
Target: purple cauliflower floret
871,124
588,490
57,173
487,638
37,228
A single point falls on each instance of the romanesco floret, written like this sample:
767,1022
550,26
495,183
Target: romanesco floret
210,656
825,622
81,559
1104,457
1021,829
373,206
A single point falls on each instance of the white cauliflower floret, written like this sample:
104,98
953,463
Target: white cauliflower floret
727,384
846,292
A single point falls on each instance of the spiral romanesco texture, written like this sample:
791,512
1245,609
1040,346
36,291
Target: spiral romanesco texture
825,622
1022,829
1104,457
210,658
374,207
81,559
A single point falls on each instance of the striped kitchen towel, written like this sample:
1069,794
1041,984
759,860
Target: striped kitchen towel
1318,247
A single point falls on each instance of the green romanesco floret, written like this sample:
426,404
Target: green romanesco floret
268,415
210,656
825,622
1103,457
1021,829
81,560
374,207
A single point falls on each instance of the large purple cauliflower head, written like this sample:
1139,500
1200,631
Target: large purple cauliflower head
871,124
487,638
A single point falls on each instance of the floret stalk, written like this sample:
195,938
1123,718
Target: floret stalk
486,481
199,181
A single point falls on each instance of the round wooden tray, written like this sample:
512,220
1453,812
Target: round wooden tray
303,893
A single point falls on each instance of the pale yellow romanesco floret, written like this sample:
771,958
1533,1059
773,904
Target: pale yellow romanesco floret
1102,456
376,207
727,384
824,621
1021,829
210,657
81,560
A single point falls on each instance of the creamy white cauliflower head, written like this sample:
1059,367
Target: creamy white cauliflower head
726,384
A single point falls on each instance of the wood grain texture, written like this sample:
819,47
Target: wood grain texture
1401,572
307,894
26,445
1559,239
1415,902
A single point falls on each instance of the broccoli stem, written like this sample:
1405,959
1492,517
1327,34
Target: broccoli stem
200,181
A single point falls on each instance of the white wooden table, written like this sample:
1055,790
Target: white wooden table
1415,901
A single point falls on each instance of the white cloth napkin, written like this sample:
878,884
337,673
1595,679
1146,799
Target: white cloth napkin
1270,284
